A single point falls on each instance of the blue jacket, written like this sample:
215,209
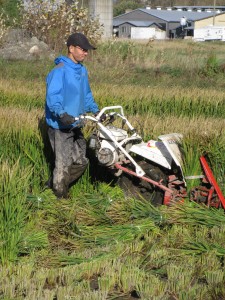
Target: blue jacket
67,90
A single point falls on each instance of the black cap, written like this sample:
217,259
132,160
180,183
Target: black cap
79,39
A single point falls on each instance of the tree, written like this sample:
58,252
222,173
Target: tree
121,6
10,9
52,22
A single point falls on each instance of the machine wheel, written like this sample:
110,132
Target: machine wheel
134,187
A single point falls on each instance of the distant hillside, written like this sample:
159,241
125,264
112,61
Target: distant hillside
166,3
120,6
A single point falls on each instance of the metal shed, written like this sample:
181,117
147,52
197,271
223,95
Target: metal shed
167,20
124,29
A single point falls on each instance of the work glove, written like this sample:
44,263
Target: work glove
102,118
66,119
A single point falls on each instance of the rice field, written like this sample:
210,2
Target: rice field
99,244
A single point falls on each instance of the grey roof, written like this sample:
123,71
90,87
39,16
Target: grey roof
170,15
200,7
134,23
175,16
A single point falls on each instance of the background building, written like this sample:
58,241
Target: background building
174,23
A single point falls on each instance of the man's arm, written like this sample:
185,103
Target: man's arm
54,92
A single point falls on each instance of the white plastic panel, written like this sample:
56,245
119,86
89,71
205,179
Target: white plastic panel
154,151
171,142
118,133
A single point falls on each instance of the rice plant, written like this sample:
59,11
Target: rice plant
14,186
97,244
192,213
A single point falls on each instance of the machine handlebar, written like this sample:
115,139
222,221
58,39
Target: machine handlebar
110,116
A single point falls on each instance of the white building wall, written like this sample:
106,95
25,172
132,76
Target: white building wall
160,34
217,20
142,33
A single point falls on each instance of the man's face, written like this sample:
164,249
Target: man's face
77,54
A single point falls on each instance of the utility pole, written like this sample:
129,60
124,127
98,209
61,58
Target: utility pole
214,11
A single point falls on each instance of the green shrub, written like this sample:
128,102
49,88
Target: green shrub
211,66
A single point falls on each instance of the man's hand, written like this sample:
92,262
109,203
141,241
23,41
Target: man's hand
102,118
66,119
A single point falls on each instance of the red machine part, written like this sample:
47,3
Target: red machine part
177,193
209,192
214,185
174,192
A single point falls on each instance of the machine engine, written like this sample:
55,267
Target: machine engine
105,150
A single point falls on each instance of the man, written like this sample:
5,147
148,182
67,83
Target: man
68,95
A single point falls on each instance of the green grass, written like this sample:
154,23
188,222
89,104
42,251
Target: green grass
99,244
